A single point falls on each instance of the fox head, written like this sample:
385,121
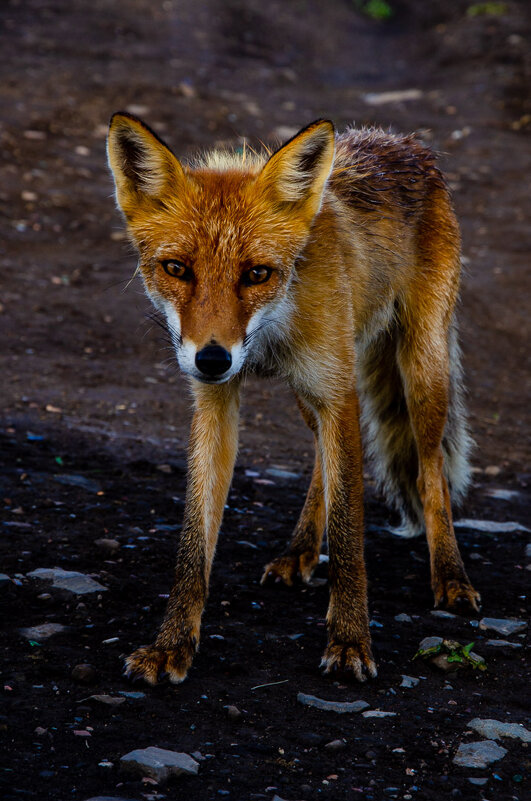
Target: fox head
218,242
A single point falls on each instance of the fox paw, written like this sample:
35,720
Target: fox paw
152,663
348,657
290,568
458,596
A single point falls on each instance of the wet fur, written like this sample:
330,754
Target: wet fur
358,317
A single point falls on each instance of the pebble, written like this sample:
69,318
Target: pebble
107,545
4,579
495,729
492,470
479,754
504,643
491,526
477,781
84,673
78,481
528,550
109,798
430,642
378,713
441,661
505,626
159,763
233,712
109,700
135,695
71,580
409,682
397,96
336,745
502,494
42,632
276,473
403,618
331,706
443,614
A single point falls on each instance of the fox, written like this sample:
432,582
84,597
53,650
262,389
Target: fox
332,263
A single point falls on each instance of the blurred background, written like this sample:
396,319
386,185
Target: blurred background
210,73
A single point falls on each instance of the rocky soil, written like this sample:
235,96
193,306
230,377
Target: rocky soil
94,419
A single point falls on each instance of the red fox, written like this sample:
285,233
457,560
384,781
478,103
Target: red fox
333,263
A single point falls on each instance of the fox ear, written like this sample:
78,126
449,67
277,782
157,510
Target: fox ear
297,173
141,164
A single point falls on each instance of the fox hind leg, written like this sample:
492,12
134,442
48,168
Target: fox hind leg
302,555
424,363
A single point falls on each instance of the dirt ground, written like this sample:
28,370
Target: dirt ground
94,416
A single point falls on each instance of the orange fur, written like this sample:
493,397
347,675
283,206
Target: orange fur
334,263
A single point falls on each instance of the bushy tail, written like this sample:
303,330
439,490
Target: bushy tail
389,440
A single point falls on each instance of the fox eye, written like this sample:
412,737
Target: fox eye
256,275
177,269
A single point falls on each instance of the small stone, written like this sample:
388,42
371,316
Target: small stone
69,479
187,90
109,546
409,681
478,755
159,763
233,712
137,109
528,550
277,473
109,700
441,661
133,694
504,644
335,745
108,798
491,526
84,673
443,614
70,580
492,470
4,579
42,632
506,626
39,731
378,713
332,706
477,781
500,494
496,729
430,642
403,618
394,96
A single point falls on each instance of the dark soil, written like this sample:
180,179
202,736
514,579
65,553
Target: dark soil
89,391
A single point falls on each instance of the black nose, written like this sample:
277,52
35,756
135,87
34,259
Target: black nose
213,360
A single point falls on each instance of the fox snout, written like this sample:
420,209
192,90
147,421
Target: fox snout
213,361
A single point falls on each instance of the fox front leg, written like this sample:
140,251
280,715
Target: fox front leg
349,642
212,453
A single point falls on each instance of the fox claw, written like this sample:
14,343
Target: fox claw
458,596
351,658
152,663
289,569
